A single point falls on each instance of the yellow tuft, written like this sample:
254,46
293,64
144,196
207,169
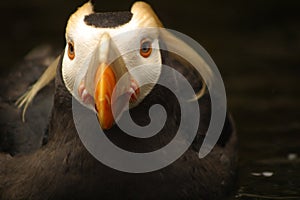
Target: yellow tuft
44,80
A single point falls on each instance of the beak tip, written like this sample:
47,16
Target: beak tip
104,126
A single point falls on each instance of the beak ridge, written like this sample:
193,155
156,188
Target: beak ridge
106,68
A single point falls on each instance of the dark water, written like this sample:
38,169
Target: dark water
256,45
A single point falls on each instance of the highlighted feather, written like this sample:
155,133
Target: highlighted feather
25,100
192,56
144,15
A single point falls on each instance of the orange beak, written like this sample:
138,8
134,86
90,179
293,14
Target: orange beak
105,82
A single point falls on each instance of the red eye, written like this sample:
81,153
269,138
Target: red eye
146,48
71,50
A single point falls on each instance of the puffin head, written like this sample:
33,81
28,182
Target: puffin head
101,48
104,50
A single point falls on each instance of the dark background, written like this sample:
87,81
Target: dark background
255,44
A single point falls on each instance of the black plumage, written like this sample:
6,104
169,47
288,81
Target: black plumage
108,19
64,169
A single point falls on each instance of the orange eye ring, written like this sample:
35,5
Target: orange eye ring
146,48
71,50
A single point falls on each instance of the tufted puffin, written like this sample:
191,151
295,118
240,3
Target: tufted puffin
53,163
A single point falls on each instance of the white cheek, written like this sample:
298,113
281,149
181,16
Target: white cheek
148,74
67,72
84,46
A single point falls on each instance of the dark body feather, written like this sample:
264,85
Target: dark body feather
15,136
64,169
